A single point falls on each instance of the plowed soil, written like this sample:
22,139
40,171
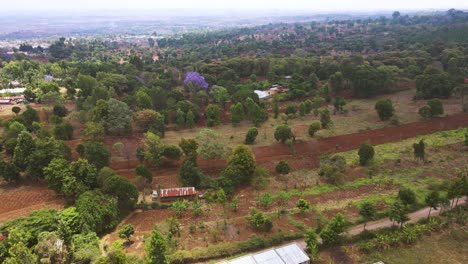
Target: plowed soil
307,154
17,202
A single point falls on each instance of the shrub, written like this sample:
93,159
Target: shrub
437,108
425,111
313,128
303,205
259,221
282,167
366,153
290,110
325,118
283,133
384,109
251,136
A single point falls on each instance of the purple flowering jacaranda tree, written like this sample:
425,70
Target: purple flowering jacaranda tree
196,79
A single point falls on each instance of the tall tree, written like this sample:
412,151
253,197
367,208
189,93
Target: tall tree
157,248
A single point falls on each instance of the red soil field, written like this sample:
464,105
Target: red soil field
17,202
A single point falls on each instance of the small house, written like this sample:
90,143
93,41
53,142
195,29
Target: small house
169,195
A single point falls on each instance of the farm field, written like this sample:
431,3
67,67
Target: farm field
449,246
217,225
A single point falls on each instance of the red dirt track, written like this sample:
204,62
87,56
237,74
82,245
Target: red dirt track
307,154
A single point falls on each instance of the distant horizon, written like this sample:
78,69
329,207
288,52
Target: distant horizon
333,6
210,12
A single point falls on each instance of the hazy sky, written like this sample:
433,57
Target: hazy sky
318,5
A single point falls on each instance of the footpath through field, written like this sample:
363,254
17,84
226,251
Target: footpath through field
307,154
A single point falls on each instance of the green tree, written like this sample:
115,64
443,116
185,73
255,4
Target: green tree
211,145
243,160
275,109
283,133
157,248
419,150
384,109
63,131
265,200
432,201
282,167
143,100
339,103
308,106
99,212
237,113
336,81
333,169
312,244
368,212
325,118
397,213
97,154
20,253
437,108
46,150
425,111
16,109
313,128
180,118
407,196
259,221
153,148
213,115
331,234
189,147
94,132
251,136
190,119
220,95
24,147
124,190
189,174
126,232
179,207
10,172
303,205
119,118
366,153
85,247
151,121
29,116
144,172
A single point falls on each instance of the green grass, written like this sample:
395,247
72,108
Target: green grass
394,150
446,247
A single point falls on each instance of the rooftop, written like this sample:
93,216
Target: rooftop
289,254
176,192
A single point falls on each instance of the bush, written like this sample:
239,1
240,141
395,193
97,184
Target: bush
63,131
384,109
283,133
325,118
437,108
303,205
60,110
282,167
313,128
466,138
290,110
251,136
259,221
425,111
366,153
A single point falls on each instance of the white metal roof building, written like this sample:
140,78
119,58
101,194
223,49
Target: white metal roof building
289,254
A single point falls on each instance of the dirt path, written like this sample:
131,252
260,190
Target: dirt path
414,217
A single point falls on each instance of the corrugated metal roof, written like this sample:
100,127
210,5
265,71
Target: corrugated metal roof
176,192
289,254
292,254
243,260
268,257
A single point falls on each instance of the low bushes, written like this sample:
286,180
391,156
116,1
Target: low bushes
230,249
